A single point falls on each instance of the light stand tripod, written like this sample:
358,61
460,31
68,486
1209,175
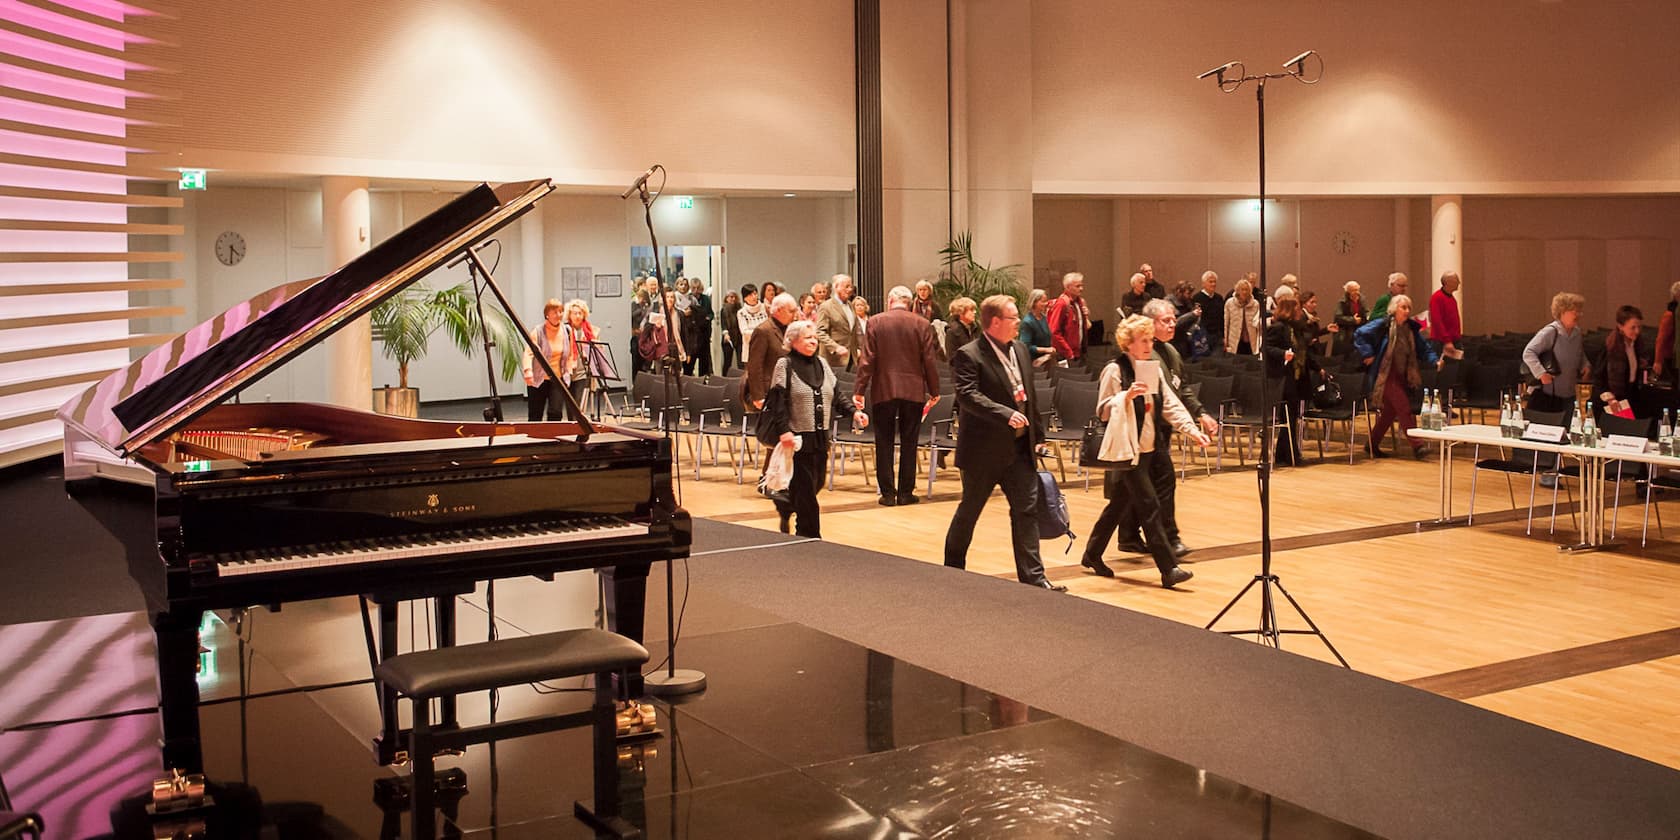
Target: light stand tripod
1268,632
674,680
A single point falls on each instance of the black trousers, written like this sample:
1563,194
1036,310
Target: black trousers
546,398
897,421
637,363
1132,497
702,351
1288,450
729,358
1163,481
1018,478
810,469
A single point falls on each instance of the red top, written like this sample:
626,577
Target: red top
1067,318
1443,318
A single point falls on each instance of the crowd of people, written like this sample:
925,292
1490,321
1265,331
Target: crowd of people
985,354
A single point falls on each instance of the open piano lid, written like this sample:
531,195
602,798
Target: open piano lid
203,366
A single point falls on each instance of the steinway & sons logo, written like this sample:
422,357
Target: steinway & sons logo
434,507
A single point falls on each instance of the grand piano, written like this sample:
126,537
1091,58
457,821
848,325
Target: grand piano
224,505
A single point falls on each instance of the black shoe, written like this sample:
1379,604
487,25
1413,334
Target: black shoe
1375,452
887,501
1179,549
1420,451
1097,566
1132,546
787,520
1175,576
908,498
1046,584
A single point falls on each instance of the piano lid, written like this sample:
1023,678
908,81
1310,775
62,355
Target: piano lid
203,366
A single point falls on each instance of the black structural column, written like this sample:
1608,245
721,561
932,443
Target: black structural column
867,43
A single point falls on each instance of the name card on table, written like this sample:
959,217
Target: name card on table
1542,433
1626,443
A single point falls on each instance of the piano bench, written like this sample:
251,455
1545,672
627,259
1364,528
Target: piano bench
424,675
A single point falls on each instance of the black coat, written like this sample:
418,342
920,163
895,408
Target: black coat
985,402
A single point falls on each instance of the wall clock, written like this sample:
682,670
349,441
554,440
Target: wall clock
1341,241
230,248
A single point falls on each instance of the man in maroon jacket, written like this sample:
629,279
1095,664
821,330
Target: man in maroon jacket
898,378
1069,319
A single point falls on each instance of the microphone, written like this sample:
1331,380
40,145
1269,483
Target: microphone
1218,71
1296,61
639,181
462,258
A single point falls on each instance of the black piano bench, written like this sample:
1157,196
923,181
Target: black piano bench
425,675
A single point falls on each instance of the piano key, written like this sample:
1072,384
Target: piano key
423,545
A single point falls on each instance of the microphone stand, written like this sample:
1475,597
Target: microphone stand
674,681
1268,632
493,413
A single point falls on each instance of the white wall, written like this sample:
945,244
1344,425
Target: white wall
1433,96
729,93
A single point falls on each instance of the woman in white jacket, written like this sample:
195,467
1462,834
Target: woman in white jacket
1242,321
1140,415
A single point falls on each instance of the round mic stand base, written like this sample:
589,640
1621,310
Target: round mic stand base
674,683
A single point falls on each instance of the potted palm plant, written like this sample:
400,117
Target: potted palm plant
964,276
404,325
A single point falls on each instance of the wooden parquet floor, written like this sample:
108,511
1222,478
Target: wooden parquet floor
1587,644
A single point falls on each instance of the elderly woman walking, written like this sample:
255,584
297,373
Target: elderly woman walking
1558,345
1394,354
803,400
1140,415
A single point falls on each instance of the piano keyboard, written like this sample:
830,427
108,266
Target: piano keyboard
352,552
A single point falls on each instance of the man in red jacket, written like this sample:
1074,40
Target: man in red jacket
1444,326
1070,318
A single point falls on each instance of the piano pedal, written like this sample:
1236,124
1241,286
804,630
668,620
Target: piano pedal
179,806
397,754
392,793
637,722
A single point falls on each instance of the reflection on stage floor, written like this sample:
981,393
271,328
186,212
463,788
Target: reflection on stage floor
800,734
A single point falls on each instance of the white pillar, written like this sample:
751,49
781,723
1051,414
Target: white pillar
1446,238
344,229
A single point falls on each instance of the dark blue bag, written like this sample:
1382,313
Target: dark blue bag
1052,510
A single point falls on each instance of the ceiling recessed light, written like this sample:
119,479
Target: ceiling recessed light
789,195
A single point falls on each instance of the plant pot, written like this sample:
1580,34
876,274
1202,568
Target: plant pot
398,402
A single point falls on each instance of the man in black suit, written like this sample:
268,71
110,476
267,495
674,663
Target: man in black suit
998,428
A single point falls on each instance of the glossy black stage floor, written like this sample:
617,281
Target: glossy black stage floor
862,719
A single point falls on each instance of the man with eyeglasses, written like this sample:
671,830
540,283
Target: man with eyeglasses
999,429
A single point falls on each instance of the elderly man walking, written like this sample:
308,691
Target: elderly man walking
898,380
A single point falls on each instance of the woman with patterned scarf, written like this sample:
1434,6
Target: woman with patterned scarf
1394,354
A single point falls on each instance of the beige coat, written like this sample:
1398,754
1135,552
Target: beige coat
834,331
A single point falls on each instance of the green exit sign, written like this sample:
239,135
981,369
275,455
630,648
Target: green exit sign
193,179
685,202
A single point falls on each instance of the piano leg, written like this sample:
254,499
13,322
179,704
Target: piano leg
177,659
390,740
626,602
443,607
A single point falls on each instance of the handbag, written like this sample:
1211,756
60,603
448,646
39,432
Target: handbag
1090,448
1328,394
1548,363
777,413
